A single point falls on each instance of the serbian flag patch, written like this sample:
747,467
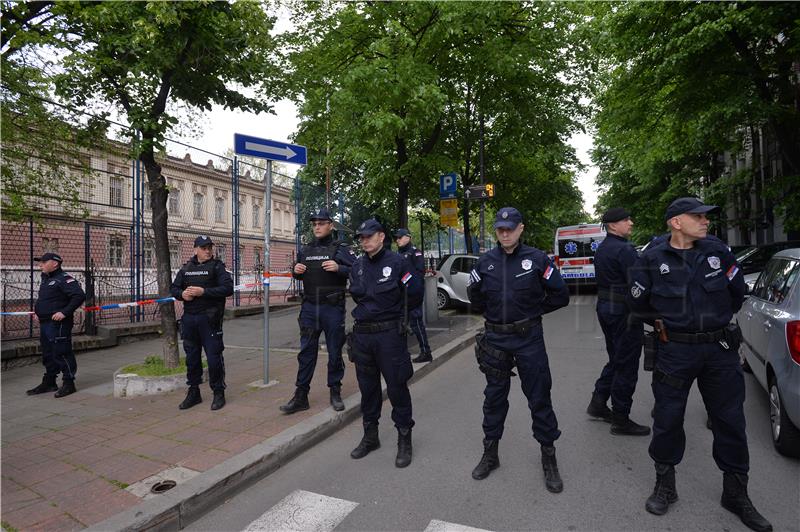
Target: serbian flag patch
732,272
405,278
548,272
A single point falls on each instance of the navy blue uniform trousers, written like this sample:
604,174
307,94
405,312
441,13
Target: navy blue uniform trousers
383,353
624,347
199,334
56,341
534,373
315,319
417,325
721,384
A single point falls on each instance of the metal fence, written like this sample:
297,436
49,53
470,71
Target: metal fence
110,248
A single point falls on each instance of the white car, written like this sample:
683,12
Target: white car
770,323
452,277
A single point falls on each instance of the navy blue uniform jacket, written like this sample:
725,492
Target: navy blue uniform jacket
59,292
692,290
378,283
513,287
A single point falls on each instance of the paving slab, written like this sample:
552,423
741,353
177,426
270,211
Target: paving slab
68,464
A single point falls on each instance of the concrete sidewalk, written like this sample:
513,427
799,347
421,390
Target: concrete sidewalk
90,459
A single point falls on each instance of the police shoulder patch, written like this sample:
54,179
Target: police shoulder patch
714,262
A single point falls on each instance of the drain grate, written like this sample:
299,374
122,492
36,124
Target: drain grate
165,485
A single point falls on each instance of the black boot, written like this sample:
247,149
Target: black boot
403,447
219,400
368,443
48,385
664,493
622,425
192,398
552,479
67,388
336,398
423,357
298,402
598,409
489,461
736,500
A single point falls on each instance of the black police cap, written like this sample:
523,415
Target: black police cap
369,228
203,240
688,206
615,214
507,218
402,232
321,215
49,256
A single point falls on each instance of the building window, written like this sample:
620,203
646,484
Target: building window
256,215
174,200
198,206
257,257
219,210
147,253
115,191
221,252
115,247
175,255
50,244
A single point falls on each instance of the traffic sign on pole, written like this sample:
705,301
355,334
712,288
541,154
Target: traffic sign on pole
448,212
269,149
479,192
448,184
272,150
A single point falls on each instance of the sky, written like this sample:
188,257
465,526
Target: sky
220,125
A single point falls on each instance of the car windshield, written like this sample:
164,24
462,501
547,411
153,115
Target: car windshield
744,253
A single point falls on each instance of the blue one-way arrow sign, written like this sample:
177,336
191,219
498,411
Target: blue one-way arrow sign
269,149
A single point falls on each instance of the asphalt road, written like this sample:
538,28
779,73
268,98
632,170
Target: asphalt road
607,478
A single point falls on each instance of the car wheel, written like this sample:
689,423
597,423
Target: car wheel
785,436
442,299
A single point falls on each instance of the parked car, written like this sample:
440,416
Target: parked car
754,258
452,277
770,323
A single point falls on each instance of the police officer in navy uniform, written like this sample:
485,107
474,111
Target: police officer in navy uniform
414,256
323,266
514,285
60,295
612,263
693,285
383,285
202,284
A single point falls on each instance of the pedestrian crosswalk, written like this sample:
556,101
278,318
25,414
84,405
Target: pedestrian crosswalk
311,512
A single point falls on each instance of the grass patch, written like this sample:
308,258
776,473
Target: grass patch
154,367
7,527
117,483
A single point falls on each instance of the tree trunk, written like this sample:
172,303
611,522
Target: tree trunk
402,183
466,179
158,204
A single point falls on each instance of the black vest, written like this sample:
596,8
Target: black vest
205,276
318,284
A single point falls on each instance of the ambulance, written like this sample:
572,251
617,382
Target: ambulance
574,249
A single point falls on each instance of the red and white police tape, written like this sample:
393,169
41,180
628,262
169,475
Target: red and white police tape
237,288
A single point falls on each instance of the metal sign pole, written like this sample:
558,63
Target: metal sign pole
267,272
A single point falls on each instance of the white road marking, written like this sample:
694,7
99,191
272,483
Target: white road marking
443,526
303,511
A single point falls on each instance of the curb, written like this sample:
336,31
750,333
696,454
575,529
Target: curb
187,502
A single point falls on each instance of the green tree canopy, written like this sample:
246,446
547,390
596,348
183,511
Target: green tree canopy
148,58
685,83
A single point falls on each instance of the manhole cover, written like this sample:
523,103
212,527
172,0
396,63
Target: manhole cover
164,485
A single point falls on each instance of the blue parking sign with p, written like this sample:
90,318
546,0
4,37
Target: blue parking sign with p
448,183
